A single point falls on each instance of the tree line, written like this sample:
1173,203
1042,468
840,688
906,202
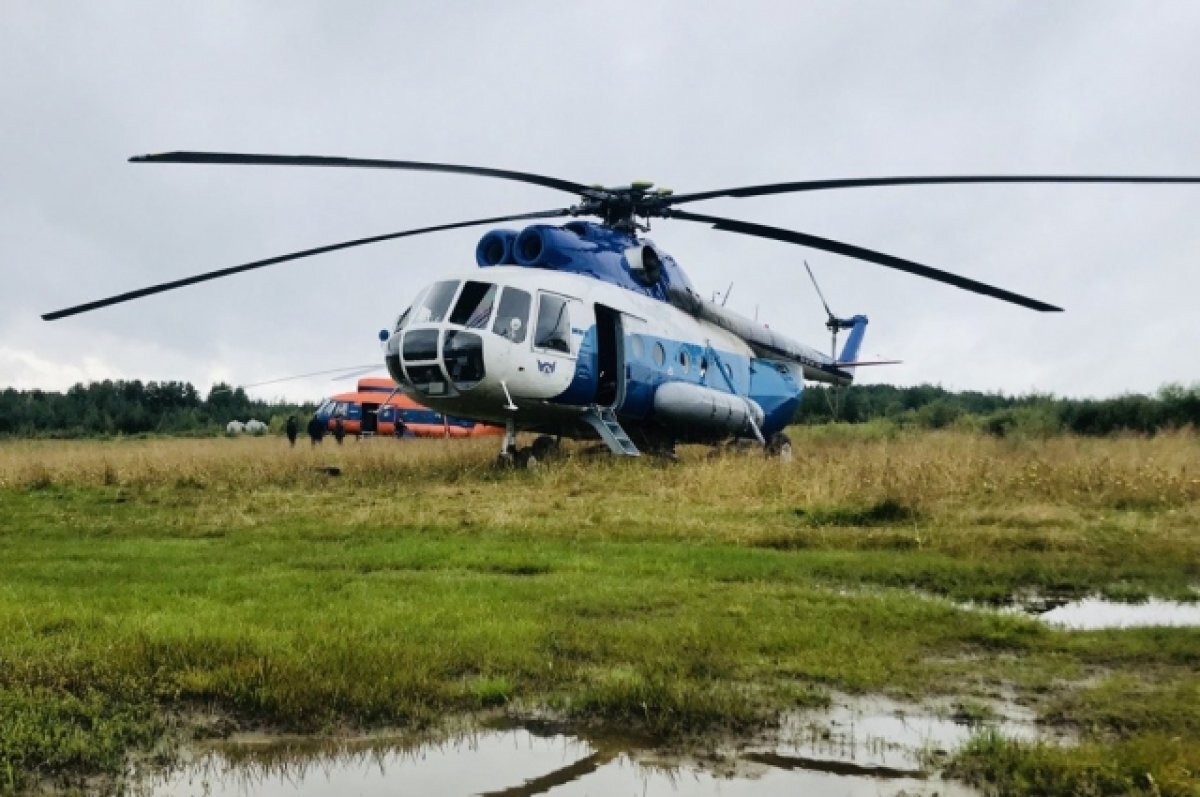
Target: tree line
133,407
931,407
177,408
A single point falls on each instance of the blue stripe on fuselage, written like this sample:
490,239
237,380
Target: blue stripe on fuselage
776,391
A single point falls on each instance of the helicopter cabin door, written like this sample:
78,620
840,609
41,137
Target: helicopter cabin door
370,418
610,358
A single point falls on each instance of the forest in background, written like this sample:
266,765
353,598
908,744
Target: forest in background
100,409
108,408
931,407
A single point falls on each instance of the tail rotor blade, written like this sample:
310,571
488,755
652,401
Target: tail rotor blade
820,295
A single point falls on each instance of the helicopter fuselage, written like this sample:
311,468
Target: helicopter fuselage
540,346
553,345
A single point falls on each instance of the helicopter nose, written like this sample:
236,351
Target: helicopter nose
437,360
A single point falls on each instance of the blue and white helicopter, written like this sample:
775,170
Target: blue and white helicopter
589,330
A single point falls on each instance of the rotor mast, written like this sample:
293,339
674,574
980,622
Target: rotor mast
621,207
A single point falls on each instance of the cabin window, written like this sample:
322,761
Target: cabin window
474,306
637,346
512,316
660,354
553,324
437,303
684,360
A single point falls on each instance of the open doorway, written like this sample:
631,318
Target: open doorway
370,418
610,358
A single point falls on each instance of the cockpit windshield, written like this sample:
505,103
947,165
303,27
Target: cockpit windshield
402,320
474,306
436,305
407,315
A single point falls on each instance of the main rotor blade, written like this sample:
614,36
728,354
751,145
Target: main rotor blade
863,182
242,159
859,253
225,272
355,370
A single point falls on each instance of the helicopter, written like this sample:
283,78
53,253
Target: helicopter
589,330
364,413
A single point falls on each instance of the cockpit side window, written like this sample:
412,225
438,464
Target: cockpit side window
474,305
512,317
553,324
437,303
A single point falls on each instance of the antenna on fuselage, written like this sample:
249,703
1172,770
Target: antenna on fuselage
728,291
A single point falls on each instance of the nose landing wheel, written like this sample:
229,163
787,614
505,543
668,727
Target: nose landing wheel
545,449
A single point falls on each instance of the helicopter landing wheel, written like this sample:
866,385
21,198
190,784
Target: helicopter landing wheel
780,447
526,459
545,448
507,460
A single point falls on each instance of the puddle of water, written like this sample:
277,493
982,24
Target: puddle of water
1093,614
859,748
887,734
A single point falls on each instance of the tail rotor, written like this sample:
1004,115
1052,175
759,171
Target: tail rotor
833,323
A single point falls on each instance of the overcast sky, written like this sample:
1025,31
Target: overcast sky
693,96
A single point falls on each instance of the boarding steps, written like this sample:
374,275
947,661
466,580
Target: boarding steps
604,421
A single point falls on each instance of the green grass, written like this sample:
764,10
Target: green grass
145,582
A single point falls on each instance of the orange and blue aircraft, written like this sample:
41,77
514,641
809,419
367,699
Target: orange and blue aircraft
375,405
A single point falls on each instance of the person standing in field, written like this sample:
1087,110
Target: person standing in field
292,429
339,430
316,430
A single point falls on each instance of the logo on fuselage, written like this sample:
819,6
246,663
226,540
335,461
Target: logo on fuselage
546,367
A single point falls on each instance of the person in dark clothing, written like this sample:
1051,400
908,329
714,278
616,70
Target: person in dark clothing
316,430
292,429
339,430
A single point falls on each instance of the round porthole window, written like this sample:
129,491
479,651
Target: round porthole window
660,354
728,371
684,360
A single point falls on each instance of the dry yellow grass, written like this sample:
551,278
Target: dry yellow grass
921,469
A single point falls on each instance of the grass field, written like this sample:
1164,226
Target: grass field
152,590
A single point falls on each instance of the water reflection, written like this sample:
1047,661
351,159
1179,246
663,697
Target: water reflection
859,747
1093,614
